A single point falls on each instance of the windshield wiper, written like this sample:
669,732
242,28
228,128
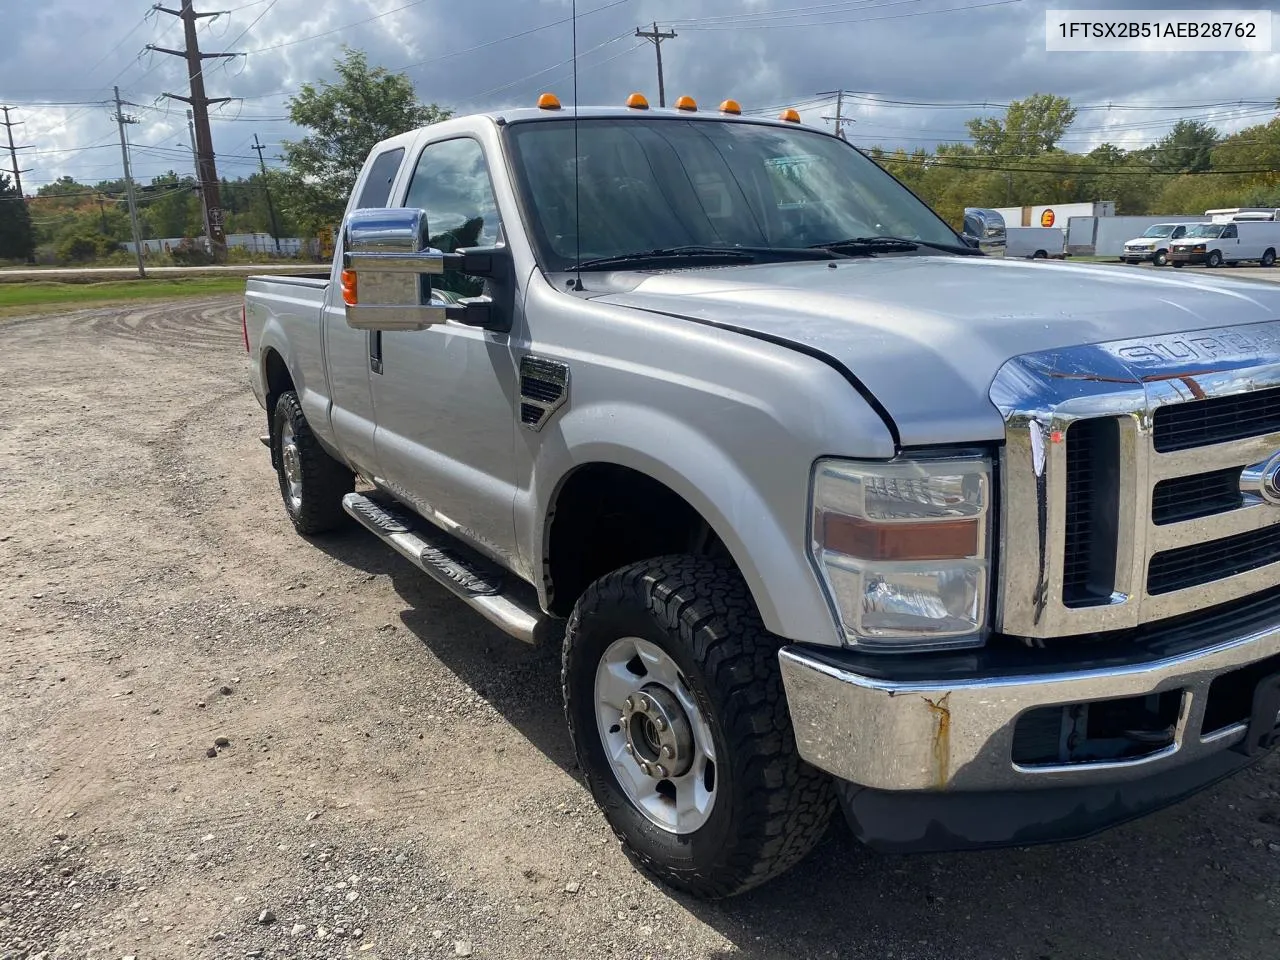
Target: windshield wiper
891,245
699,253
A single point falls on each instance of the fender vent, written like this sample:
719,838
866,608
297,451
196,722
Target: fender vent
544,387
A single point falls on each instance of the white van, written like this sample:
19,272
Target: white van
1035,243
1217,243
1153,245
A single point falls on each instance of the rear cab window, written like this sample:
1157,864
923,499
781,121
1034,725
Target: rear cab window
382,174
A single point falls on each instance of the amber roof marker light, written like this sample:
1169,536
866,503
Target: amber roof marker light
790,115
731,106
688,104
637,101
548,101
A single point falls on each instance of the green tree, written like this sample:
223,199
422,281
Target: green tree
346,119
1187,148
1030,127
17,239
170,207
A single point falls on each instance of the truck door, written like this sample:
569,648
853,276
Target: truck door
348,351
445,397
1229,243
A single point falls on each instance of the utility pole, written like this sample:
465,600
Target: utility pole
206,169
840,119
123,119
195,155
17,173
657,36
266,188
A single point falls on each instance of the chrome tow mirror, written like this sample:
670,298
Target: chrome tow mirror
387,269
984,229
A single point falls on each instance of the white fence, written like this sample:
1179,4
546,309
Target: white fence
260,243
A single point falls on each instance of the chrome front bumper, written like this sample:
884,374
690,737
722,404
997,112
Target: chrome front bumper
957,735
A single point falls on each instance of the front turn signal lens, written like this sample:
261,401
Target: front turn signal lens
902,550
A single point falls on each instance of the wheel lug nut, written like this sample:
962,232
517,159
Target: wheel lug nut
660,724
630,703
659,770
666,752
630,749
644,703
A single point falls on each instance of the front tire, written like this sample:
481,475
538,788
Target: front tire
1161,258
312,483
679,720
1214,259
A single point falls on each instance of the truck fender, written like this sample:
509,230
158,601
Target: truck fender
767,543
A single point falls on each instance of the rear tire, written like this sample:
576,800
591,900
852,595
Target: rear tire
312,483
694,620
1268,259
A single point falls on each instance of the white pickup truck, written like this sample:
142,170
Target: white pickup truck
826,507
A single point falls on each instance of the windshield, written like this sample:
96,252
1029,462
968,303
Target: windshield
1207,230
655,184
1160,230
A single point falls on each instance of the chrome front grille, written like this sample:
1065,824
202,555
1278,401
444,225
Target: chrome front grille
1216,420
1134,480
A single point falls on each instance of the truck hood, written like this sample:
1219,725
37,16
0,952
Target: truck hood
926,335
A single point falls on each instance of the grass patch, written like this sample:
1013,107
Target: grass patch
42,296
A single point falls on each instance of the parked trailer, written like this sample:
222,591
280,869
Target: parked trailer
1106,236
1035,243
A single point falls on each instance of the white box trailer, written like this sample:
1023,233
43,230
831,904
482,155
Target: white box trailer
1106,236
1035,243
1054,214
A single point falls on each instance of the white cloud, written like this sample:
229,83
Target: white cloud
881,47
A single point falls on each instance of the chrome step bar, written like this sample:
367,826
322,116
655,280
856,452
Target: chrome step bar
434,553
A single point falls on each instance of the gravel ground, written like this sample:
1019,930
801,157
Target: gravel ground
218,739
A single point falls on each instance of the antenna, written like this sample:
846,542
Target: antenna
577,206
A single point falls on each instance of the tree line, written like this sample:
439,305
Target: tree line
1006,161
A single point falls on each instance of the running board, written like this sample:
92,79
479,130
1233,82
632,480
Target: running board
482,585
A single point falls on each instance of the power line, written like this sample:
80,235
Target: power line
122,120
206,164
656,36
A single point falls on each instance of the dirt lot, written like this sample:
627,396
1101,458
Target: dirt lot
398,781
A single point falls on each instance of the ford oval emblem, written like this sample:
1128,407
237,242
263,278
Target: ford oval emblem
1262,480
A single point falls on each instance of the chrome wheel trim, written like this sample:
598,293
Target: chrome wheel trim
629,703
291,463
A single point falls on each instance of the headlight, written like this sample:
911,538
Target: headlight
902,548
1199,248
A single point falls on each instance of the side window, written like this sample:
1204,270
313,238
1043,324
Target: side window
377,186
451,183
1230,232
1178,233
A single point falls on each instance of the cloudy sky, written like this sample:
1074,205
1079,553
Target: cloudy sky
943,59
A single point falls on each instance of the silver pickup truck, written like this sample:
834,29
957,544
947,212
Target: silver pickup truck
827,508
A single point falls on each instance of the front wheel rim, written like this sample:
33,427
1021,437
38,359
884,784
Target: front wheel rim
291,464
658,744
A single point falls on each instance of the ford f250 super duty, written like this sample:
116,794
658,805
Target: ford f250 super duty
828,509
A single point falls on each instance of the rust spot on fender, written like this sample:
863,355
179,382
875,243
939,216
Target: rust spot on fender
941,739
